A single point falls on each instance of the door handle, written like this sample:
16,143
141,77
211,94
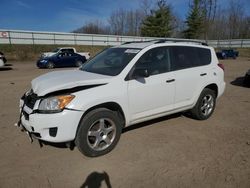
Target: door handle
171,80
203,74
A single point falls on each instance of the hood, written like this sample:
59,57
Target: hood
60,80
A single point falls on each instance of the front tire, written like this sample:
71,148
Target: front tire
98,133
50,65
205,105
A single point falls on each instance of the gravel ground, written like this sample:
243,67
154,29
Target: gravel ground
174,151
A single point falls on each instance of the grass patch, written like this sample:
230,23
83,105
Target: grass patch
25,52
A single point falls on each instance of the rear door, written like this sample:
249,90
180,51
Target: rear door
190,65
67,59
71,58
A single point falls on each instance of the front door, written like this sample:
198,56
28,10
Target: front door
153,95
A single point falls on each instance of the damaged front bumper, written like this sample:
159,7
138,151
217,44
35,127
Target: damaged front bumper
54,127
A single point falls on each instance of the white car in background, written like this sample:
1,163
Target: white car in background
119,87
3,60
65,49
1,63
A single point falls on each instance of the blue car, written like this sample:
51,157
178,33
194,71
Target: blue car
225,54
63,59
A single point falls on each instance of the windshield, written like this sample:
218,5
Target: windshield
110,61
56,50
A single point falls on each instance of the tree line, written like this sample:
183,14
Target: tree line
206,19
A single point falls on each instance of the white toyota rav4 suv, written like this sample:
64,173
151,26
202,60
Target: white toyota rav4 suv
122,86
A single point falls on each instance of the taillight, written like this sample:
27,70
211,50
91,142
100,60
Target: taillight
221,66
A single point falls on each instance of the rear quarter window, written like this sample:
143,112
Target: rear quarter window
183,57
204,56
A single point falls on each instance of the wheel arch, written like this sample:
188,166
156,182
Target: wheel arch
213,87
52,62
108,105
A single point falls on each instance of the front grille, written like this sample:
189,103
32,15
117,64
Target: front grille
30,100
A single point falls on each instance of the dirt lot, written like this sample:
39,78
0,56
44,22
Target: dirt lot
174,151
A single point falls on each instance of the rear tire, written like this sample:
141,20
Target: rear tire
205,105
246,81
79,63
98,132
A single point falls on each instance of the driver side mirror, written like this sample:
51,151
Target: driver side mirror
140,73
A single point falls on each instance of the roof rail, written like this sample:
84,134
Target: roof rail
129,42
181,40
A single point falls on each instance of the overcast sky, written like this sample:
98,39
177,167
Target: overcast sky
67,15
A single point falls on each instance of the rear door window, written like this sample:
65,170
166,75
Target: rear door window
183,57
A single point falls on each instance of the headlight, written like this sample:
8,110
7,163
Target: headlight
28,92
55,104
43,61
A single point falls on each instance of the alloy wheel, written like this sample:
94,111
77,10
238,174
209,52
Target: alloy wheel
101,134
207,105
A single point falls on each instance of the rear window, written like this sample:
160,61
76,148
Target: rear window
183,57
